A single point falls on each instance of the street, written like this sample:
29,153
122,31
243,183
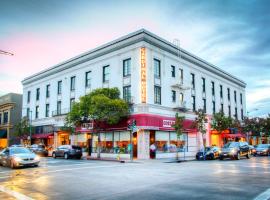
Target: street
154,179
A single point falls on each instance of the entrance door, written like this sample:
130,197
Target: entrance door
135,145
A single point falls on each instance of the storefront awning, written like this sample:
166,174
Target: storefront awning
237,135
42,135
3,133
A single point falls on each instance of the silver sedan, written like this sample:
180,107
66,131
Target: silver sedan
18,156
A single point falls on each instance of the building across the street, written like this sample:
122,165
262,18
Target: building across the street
10,115
156,77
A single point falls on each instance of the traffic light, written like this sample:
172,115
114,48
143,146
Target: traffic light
134,123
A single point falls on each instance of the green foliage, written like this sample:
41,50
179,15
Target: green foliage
200,121
220,122
257,125
179,125
23,127
101,105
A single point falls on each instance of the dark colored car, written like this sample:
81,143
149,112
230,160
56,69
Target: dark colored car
262,150
68,151
211,153
39,149
18,156
235,150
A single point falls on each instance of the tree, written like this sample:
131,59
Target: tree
22,127
220,122
179,128
101,106
199,123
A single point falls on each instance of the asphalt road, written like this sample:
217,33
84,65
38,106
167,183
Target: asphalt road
82,179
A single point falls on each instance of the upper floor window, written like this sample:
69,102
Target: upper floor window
59,87
157,95
28,96
127,93
47,111
106,73
214,107
28,113
213,88
193,103
88,79
222,108
0,118
221,91
58,110
127,67
241,98
181,97
229,94
181,75
192,81
235,113
37,94
72,83
72,101
229,111
242,114
157,68
173,70
5,120
47,91
204,105
173,96
235,98
37,112
203,84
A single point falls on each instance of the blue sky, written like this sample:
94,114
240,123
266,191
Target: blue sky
234,35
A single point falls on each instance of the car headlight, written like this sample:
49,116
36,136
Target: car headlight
37,158
264,150
233,151
17,159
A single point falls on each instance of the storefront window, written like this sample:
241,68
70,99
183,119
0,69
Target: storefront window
121,142
167,142
94,143
106,141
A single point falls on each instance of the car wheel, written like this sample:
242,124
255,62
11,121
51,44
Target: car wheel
12,165
66,156
53,155
35,165
221,158
79,157
248,155
238,156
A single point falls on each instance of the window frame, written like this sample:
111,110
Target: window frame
47,110
173,92
157,70
127,93
37,94
37,112
72,83
28,96
127,68
157,94
192,81
88,79
105,76
173,71
48,90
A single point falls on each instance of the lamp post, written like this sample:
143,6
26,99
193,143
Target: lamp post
30,128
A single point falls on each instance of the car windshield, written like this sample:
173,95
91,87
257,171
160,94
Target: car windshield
231,145
76,147
19,150
263,146
41,146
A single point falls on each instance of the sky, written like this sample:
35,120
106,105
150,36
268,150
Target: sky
233,35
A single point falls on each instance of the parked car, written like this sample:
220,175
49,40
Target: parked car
262,150
210,153
39,149
18,156
235,150
252,149
68,151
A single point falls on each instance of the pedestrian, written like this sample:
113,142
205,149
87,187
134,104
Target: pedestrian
152,150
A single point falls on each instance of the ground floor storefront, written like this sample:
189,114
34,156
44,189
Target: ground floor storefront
220,139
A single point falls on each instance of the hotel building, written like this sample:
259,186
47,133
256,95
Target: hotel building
156,77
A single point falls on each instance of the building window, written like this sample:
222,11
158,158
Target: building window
72,83
235,99
192,81
214,107
58,111
229,94
106,73
173,70
127,93
72,101
47,91
157,68
157,94
47,110
59,87
221,91
241,98
28,96
235,113
181,76
229,111
213,88
37,112
181,97
173,96
203,84
204,105
193,103
87,79
5,120
0,118
222,108
127,67
37,94
28,113
242,114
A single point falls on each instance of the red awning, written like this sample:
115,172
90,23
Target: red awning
41,135
237,135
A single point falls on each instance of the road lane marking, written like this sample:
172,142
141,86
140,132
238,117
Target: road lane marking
17,195
5,177
264,196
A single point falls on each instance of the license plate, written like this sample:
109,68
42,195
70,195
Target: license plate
225,154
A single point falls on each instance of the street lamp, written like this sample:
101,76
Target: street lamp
30,128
